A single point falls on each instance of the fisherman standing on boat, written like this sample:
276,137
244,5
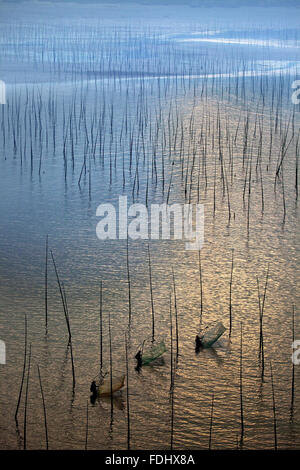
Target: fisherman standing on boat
94,392
93,388
138,357
198,343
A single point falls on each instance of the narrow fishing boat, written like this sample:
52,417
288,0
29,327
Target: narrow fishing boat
105,387
210,334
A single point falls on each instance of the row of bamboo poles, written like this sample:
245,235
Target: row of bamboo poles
174,353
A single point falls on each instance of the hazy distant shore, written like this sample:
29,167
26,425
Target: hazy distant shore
188,3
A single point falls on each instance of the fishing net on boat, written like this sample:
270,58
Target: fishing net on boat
105,385
109,386
211,333
152,350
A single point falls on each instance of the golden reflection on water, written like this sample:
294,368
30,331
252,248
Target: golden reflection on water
83,261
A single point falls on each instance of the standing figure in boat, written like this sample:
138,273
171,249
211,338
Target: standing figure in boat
139,359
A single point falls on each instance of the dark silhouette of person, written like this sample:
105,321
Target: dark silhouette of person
138,357
93,399
198,344
94,392
93,388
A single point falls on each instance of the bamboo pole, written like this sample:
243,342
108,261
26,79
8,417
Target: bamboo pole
129,284
111,370
241,387
101,330
44,408
172,411
127,394
87,426
274,408
201,287
171,346
293,367
230,296
211,420
26,401
176,316
65,308
151,295
24,369
46,286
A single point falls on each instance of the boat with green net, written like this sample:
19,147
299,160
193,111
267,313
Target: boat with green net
153,352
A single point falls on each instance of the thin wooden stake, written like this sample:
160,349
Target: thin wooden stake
46,286
127,394
171,346
129,285
241,387
111,369
65,308
172,414
230,296
262,314
211,421
274,408
26,401
44,408
101,331
87,426
293,367
201,288
151,294
24,369
176,315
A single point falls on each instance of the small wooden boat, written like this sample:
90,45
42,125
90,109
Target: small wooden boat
106,387
209,335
